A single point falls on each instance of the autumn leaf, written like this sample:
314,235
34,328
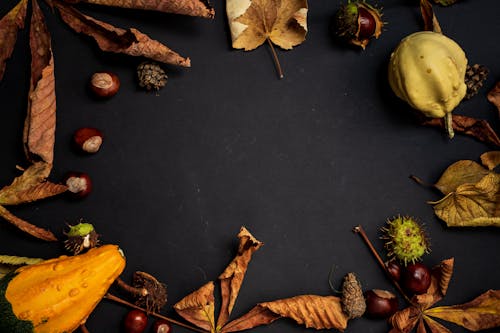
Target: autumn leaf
494,96
9,25
198,307
232,277
183,7
11,263
430,20
319,312
445,2
253,22
27,227
481,313
112,39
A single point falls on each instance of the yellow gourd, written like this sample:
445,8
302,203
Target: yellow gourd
427,70
57,295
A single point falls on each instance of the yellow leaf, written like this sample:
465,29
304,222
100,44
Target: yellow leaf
198,307
479,314
472,204
434,326
251,22
11,263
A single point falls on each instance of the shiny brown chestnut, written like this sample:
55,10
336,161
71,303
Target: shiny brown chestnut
394,270
162,326
104,84
380,303
78,183
416,278
88,139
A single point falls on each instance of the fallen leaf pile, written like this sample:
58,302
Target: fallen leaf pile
40,123
472,193
481,313
253,22
198,308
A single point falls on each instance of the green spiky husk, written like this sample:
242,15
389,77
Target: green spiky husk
9,323
405,239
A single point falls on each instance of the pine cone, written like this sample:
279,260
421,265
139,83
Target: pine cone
475,75
353,301
151,76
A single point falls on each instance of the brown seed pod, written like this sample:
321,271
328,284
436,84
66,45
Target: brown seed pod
352,301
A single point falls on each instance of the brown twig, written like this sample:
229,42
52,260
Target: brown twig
275,58
130,289
359,230
117,299
84,329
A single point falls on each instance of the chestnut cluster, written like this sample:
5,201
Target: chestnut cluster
136,321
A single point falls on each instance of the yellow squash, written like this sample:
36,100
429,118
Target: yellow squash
427,70
57,295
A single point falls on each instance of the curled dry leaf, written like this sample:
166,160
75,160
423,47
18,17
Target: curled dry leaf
27,227
479,129
9,25
40,123
184,7
319,312
494,96
445,2
434,326
430,20
112,39
232,277
481,313
198,307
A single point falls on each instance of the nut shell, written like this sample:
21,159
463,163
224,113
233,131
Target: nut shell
88,139
104,84
380,303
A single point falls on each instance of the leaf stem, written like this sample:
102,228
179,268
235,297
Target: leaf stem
119,300
275,58
448,125
359,230
84,329
132,290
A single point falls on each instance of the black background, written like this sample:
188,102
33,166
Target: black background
298,161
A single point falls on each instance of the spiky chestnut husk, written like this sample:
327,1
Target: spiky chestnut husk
81,236
405,239
358,22
352,301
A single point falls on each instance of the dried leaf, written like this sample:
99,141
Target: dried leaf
445,2
476,128
232,277
472,204
198,307
30,186
494,96
112,39
443,272
183,7
11,263
26,226
491,159
421,327
319,312
252,22
40,123
459,173
430,21
479,314
9,25
440,279
434,326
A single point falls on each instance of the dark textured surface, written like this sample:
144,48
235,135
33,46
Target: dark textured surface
298,161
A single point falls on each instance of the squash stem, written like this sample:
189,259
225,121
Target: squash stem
117,299
275,58
448,125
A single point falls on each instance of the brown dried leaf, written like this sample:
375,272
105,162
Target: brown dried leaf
112,39
319,312
404,320
472,204
421,327
9,25
198,307
232,277
283,22
440,279
434,326
30,186
479,314
491,159
494,96
443,272
445,2
459,173
430,20
40,123
26,226
183,7
476,128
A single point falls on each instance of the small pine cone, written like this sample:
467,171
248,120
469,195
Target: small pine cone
475,75
151,76
353,301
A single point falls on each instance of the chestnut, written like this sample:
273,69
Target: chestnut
88,139
366,22
135,321
79,184
416,278
162,326
393,269
380,303
104,84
